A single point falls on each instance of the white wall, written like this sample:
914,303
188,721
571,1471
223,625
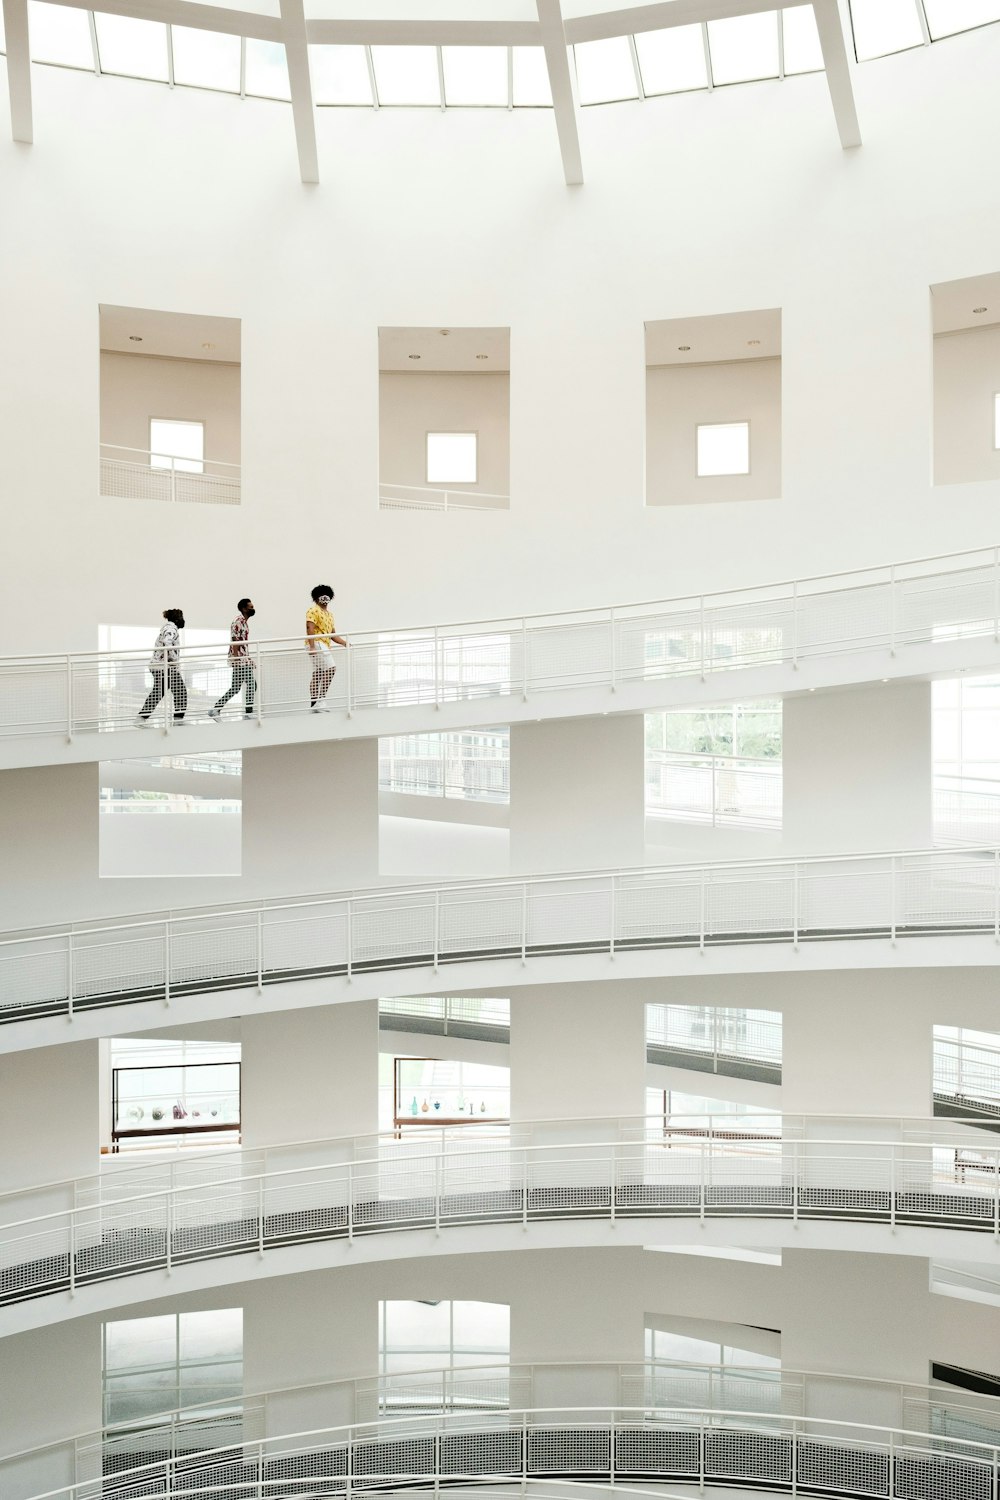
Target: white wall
135,387
138,845
856,769
966,379
680,397
310,815
412,405
856,345
49,1115
310,1074
576,1051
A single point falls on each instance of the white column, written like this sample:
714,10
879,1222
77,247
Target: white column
310,1075
49,1118
857,769
577,793
48,814
310,815
576,1051
852,1314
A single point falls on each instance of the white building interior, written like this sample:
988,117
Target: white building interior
537,1032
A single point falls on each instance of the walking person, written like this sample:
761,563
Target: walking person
163,665
320,639
240,665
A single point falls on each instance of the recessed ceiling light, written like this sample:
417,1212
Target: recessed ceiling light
208,346
752,341
482,356
135,338
980,309
444,332
413,356
684,348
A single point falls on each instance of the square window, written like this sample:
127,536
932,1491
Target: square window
884,26
132,47
60,35
340,74
266,70
452,457
723,448
673,60
177,445
206,59
531,79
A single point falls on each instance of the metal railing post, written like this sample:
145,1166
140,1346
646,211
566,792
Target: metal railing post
795,1183
996,593
169,1231
614,651
350,1203
524,660
260,1216
892,1465
438,1189
173,479
613,1182
613,905
166,962
892,1186
701,635
701,1452
795,626
524,1452
703,1173
996,895
349,676
701,913
524,1188
715,791
892,610
437,932
260,950
70,975
72,1253
350,938
996,1197
437,669
892,900
69,699
795,908
524,922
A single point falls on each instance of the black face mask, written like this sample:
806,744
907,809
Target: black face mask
180,623
250,614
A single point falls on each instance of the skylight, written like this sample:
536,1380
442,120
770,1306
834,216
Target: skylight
137,49
744,48
407,75
883,26
674,60
475,75
945,17
206,59
800,38
266,70
340,75
604,71
60,34
531,79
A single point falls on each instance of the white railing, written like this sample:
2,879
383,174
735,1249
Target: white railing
886,609
236,1210
949,1277
621,1446
723,790
966,810
649,1385
450,767
446,1015
429,497
138,474
967,1073
889,897
715,1035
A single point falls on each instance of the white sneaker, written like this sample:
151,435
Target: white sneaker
315,709
322,707
215,713
140,722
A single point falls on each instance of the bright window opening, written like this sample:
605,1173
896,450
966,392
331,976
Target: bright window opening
726,1040
744,48
406,75
800,40
672,61
154,1365
438,1336
680,1348
137,49
442,1091
966,1072
176,445
884,26
60,34
945,17
340,75
206,59
604,71
531,79
452,457
266,70
475,75
471,765
723,448
720,766
184,1093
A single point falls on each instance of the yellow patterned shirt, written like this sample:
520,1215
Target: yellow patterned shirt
324,624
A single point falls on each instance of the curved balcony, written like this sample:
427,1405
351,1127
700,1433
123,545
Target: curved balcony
192,1433
641,1174
933,614
489,932
627,1447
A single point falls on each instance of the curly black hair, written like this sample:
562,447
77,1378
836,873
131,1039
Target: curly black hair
322,588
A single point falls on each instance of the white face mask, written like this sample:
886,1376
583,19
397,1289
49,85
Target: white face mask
323,600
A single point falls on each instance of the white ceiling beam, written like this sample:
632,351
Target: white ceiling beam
664,14
838,71
553,39
443,33
188,13
293,25
15,20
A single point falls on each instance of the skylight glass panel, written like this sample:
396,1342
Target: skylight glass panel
407,75
945,17
137,49
206,59
59,34
531,79
803,53
672,61
475,75
883,26
266,70
744,48
340,74
604,71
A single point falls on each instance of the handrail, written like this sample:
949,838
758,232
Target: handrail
172,458
875,1181
534,1441
451,1380
61,971
513,656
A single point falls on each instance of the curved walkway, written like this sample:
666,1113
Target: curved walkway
623,1446
857,626
417,929
233,1210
